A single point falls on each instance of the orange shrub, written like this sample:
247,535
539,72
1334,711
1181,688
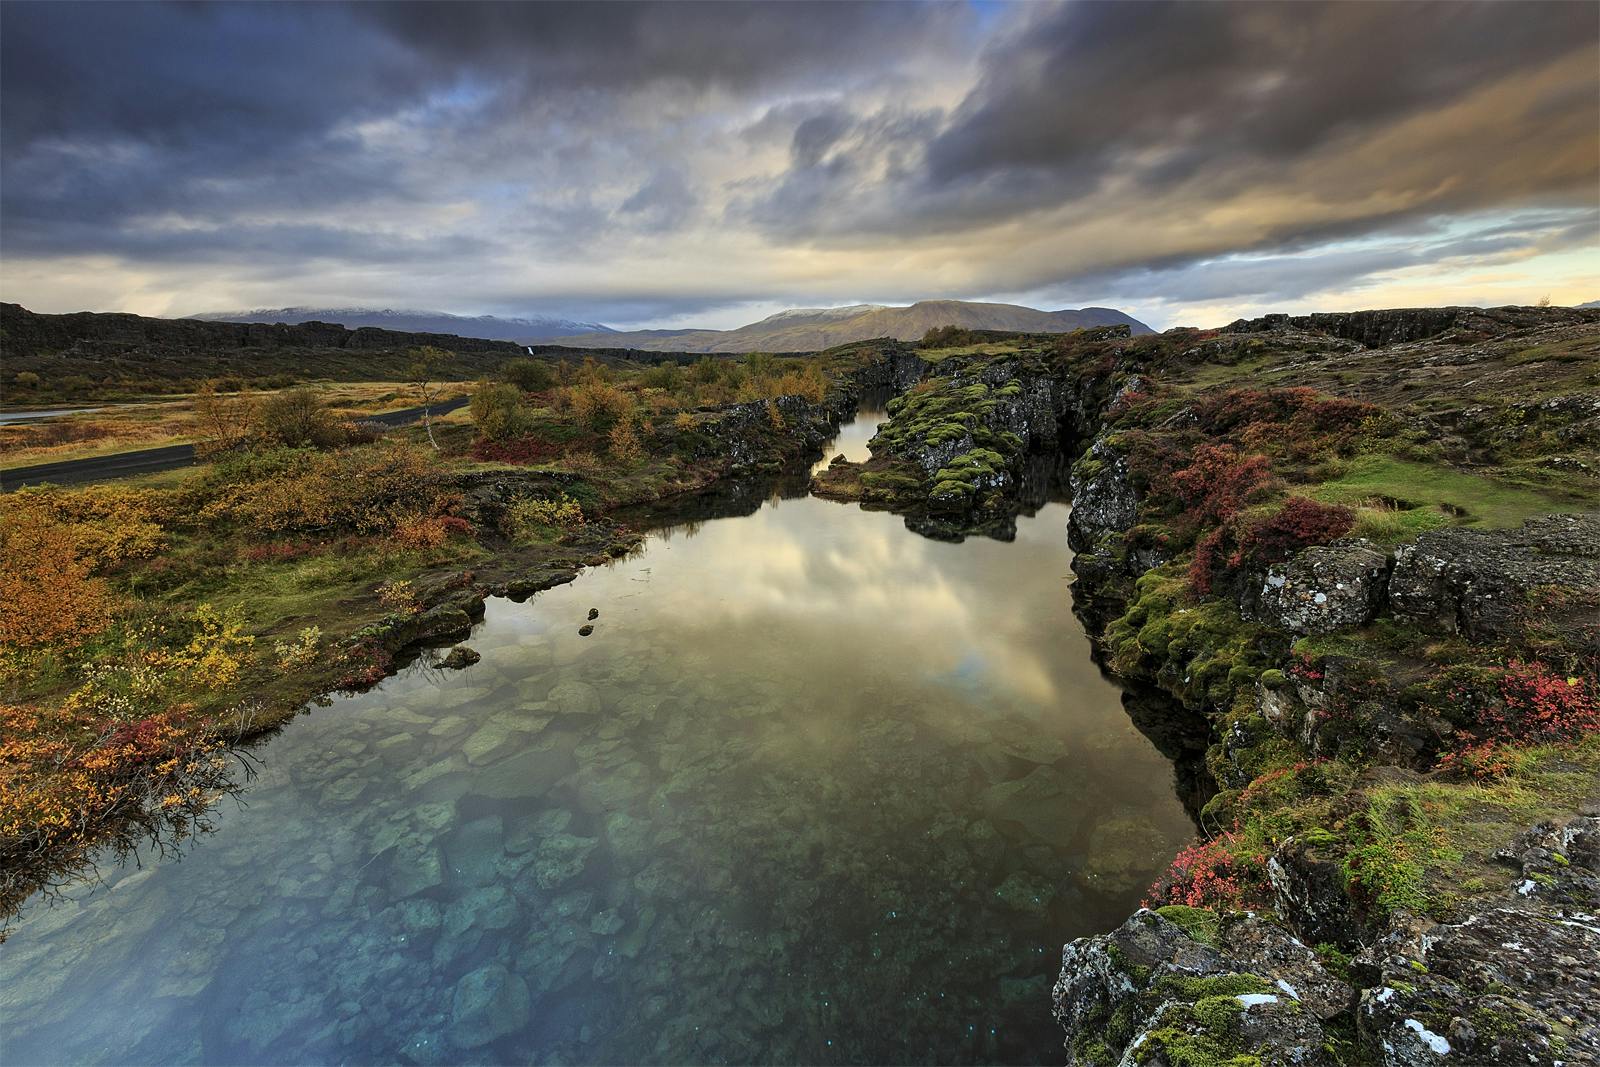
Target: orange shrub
47,597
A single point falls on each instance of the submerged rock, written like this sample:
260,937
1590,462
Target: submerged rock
489,1003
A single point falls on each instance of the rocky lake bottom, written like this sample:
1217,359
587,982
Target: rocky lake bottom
815,790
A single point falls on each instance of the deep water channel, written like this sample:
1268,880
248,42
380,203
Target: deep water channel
816,790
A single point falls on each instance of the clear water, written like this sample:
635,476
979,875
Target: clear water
816,790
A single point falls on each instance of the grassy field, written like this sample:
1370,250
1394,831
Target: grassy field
170,420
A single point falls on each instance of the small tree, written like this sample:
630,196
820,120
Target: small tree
427,363
225,421
530,375
497,410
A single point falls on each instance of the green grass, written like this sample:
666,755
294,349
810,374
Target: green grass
934,355
1432,492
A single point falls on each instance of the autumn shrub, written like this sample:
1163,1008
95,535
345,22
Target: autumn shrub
113,524
598,404
367,490
136,744
1217,481
497,411
623,441
48,598
1247,544
661,376
1540,704
299,653
527,449
1299,422
297,418
398,594
429,531
1209,874
223,421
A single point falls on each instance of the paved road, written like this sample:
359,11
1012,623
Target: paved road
169,457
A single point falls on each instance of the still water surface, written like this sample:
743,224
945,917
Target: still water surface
816,790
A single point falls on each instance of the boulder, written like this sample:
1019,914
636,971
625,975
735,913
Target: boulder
1510,979
459,657
1321,589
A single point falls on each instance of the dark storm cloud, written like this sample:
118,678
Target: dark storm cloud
114,111
700,44
664,158
1189,100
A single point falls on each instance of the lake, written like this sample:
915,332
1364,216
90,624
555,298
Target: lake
816,790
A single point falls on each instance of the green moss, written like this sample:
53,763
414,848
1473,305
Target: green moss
1417,487
1199,651
1199,923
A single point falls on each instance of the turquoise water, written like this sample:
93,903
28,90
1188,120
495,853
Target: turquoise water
816,790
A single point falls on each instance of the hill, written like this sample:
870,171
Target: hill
523,330
813,329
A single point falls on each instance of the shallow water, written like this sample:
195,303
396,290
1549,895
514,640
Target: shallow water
816,790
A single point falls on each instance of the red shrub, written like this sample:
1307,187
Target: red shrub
1542,705
1273,539
1218,481
1209,875
278,551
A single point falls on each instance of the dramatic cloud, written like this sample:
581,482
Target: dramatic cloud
640,162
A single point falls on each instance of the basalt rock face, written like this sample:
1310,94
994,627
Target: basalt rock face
1376,329
1511,982
1487,584
1158,991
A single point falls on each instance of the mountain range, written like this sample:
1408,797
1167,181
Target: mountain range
525,330
798,330
811,329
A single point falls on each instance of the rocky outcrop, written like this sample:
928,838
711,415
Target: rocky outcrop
1321,589
1488,584
1182,986
1510,982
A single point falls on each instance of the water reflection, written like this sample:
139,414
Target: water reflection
817,790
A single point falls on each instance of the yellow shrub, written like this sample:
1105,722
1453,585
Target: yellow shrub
596,403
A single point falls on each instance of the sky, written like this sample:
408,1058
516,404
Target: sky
686,164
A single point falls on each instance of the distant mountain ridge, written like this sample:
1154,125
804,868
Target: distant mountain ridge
489,327
813,329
